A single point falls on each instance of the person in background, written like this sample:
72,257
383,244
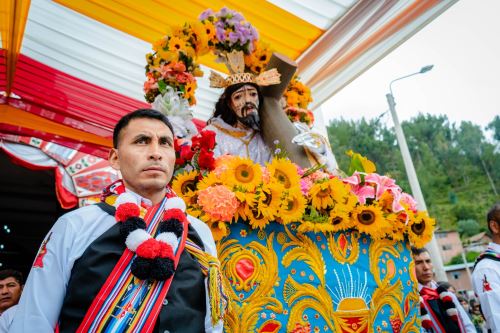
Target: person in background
448,286
486,274
11,287
440,309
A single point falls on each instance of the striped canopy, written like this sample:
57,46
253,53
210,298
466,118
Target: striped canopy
69,69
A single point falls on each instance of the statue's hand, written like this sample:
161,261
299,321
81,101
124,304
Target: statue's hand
317,145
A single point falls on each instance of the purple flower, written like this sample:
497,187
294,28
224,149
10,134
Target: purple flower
206,14
224,13
234,37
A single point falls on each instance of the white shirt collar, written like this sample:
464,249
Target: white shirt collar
143,200
432,285
494,246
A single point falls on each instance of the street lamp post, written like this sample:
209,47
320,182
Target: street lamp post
412,175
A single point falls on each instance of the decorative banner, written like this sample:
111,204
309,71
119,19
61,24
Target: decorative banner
283,281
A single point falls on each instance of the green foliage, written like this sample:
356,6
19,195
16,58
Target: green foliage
469,256
468,228
452,161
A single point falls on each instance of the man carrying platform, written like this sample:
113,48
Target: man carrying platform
133,263
440,309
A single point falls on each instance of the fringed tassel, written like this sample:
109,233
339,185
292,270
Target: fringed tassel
219,301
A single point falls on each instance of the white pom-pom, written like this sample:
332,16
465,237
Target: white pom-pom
126,198
452,312
136,238
444,294
175,203
169,238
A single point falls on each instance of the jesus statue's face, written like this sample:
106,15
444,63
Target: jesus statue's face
245,104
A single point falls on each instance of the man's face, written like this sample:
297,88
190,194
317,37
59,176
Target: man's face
423,268
245,104
10,292
145,156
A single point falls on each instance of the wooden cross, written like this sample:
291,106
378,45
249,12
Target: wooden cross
275,124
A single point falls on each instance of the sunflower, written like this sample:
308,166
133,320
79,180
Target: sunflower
369,220
285,172
219,230
420,229
398,227
269,200
339,218
245,199
184,184
209,180
243,173
341,192
176,44
316,227
321,195
210,31
255,217
201,38
292,207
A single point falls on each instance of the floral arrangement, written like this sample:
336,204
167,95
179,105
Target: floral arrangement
300,115
198,155
238,189
172,69
256,61
297,94
232,32
173,62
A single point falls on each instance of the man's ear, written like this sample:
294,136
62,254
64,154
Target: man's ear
113,159
495,228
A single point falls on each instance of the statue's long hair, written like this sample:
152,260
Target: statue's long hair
223,105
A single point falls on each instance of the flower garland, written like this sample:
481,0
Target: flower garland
154,256
172,67
237,189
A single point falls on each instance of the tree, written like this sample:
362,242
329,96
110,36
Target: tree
452,161
469,256
495,127
468,228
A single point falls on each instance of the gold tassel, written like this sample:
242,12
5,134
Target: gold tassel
219,301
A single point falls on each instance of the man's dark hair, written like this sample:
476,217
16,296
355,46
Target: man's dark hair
418,251
7,273
223,106
140,113
493,215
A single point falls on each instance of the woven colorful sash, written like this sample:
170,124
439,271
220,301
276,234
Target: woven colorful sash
488,254
125,303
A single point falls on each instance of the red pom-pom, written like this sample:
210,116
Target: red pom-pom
126,210
165,251
426,323
447,298
148,249
174,213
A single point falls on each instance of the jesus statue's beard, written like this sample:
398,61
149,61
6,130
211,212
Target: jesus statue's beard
250,116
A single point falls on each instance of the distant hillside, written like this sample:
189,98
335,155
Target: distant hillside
456,165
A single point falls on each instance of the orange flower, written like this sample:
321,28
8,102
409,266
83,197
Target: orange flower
218,202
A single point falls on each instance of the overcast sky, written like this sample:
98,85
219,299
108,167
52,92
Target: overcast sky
463,44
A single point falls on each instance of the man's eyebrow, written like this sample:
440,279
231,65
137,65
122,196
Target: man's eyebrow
167,137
